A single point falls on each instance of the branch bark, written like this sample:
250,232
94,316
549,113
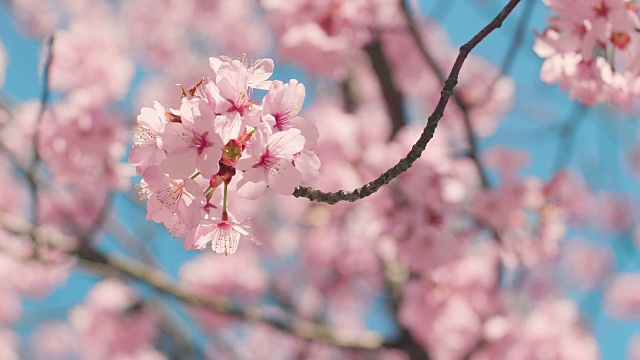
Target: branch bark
158,280
392,97
428,132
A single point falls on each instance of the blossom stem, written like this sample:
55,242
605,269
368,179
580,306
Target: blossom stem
194,176
225,217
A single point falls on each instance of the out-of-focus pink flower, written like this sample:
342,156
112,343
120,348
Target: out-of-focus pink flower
585,264
239,277
585,50
622,296
445,311
570,193
616,213
9,345
321,35
90,56
54,340
39,18
551,331
633,351
82,144
111,323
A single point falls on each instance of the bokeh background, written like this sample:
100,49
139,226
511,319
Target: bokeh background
594,142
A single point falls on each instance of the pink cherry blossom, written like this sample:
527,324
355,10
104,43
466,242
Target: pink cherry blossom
231,92
633,351
147,144
192,145
321,35
83,144
622,296
586,264
551,330
585,47
281,107
111,322
239,276
224,236
168,197
267,162
90,55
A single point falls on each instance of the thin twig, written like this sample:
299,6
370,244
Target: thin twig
44,100
428,132
365,340
432,63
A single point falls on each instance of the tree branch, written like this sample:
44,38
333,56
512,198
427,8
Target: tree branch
44,100
428,132
460,102
392,97
158,280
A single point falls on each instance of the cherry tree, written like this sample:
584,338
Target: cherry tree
321,180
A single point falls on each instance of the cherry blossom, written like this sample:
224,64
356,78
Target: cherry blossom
221,137
585,50
168,197
621,297
267,162
147,146
224,236
191,145
90,55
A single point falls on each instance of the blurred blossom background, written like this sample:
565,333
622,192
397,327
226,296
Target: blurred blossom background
516,235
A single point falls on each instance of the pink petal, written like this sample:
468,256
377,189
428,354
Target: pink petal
259,73
284,177
180,166
172,140
308,163
207,162
286,143
252,184
155,178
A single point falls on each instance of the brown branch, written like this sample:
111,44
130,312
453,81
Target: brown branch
428,132
158,280
392,97
460,102
44,100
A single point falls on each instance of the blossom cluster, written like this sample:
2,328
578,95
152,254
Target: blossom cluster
221,137
590,48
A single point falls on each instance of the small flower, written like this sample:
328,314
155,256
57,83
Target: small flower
224,236
192,145
147,144
267,161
